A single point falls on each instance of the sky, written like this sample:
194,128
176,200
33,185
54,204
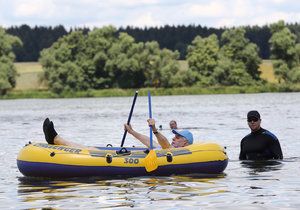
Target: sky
147,13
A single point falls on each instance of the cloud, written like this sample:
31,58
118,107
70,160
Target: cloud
135,2
228,22
141,13
278,1
212,9
145,20
31,8
224,13
91,24
118,3
245,12
276,16
242,8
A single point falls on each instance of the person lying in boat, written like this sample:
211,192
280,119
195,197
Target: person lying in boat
52,136
181,138
260,144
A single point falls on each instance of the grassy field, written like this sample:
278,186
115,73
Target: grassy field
28,67
267,73
29,76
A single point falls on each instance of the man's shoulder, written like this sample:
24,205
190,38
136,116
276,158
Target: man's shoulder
269,134
246,137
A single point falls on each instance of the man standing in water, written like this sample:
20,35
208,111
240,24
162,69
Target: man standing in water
260,144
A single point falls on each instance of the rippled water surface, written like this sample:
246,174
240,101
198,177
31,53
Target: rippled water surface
99,121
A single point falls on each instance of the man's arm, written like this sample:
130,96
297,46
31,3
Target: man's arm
242,153
142,138
276,149
162,140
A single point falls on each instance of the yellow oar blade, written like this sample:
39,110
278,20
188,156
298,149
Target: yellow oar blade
151,161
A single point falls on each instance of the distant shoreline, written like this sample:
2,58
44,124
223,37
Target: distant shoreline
20,94
31,85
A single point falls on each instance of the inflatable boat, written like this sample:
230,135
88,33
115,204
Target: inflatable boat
45,160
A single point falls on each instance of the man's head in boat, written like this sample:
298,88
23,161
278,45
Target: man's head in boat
182,138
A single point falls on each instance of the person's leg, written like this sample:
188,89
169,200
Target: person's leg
52,137
58,140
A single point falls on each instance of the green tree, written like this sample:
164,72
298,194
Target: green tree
238,48
285,52
161,66
8,71
103,58
229,72
59,63
283,43
202,57
34,40
124,64
141,64
95,56
294,75
281,70
235,63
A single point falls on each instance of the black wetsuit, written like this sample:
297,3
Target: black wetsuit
260,145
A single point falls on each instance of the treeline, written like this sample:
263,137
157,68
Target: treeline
179,37
34,40
105,58
101,58
171,37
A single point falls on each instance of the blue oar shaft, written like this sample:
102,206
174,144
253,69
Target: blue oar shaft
150,116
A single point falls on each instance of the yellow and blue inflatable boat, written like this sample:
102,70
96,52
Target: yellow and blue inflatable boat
45,160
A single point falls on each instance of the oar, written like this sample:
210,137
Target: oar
129,117
151,159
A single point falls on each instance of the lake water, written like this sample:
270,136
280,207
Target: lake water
99,121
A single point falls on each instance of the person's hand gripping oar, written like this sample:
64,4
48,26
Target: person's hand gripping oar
151,159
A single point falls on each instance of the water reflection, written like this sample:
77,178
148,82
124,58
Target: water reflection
128,192
258,166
